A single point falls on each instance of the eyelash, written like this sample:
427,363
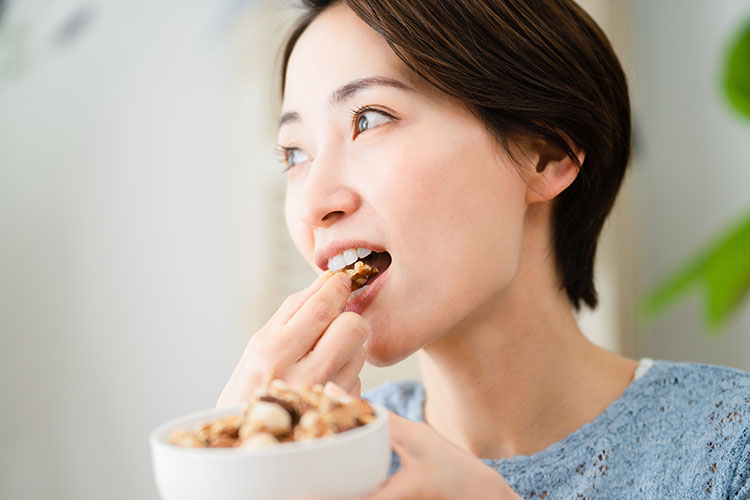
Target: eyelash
355,113
282,153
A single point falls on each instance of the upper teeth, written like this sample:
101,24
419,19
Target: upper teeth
347,257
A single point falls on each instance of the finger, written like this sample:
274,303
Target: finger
335,391
305,327
407,436
292,303
237,390
400,486
341,342
415,442
347,377
356,389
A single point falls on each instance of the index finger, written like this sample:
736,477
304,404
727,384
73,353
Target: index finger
292,303
306,326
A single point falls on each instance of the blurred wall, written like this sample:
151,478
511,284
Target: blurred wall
693,163
126,245
612,323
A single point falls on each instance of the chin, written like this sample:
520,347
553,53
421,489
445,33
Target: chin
382,354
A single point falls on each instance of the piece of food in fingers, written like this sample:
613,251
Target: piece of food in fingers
360,273
279,414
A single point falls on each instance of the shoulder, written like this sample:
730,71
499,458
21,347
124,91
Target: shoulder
707,398
705,387
403,397
702,413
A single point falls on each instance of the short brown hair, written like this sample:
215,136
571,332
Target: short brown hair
530,69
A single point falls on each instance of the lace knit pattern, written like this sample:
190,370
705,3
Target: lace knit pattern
680,431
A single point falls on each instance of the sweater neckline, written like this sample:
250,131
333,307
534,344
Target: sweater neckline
647,369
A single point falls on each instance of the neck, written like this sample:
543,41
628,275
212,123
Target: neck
519,374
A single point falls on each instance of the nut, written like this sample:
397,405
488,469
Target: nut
312,395
259,440
222,441
366,413
360,273
279,414
186,439
312,425
266,417
342,415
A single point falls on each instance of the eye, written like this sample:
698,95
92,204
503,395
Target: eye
293,157
368,118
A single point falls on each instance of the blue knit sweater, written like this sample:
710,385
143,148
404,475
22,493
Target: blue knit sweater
680,431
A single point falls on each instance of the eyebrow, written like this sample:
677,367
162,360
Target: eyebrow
346,91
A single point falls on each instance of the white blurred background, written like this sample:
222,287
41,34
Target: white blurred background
141,233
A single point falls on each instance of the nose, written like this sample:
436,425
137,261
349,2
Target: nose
327,196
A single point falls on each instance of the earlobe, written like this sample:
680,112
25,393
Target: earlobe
554,172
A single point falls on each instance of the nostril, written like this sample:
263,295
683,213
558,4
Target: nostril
332,215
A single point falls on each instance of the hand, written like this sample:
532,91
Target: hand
307,341
436,469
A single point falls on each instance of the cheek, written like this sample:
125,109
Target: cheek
456,212
301,235
457,201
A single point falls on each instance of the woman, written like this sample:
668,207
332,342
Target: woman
471,151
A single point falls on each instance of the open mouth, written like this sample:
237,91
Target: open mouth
364,270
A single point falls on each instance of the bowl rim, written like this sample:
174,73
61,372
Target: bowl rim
158,438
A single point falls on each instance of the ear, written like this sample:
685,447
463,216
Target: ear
554,171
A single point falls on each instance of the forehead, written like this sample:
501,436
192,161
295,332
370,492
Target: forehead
336,48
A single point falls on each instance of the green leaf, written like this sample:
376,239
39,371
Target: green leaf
727,276
737,73
674,286
722,269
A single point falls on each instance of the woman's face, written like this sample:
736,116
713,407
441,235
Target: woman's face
380,159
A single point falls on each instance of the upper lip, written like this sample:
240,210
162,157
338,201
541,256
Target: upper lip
336,247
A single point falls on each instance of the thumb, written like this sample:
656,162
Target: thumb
405,439
407,436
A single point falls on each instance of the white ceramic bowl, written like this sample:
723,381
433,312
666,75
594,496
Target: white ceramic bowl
344,465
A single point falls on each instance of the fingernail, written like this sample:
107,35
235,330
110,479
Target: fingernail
345,279
334,390
325,275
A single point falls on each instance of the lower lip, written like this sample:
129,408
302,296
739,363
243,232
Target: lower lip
359,303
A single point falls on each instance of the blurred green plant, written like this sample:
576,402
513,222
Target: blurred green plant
722,267
737,73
